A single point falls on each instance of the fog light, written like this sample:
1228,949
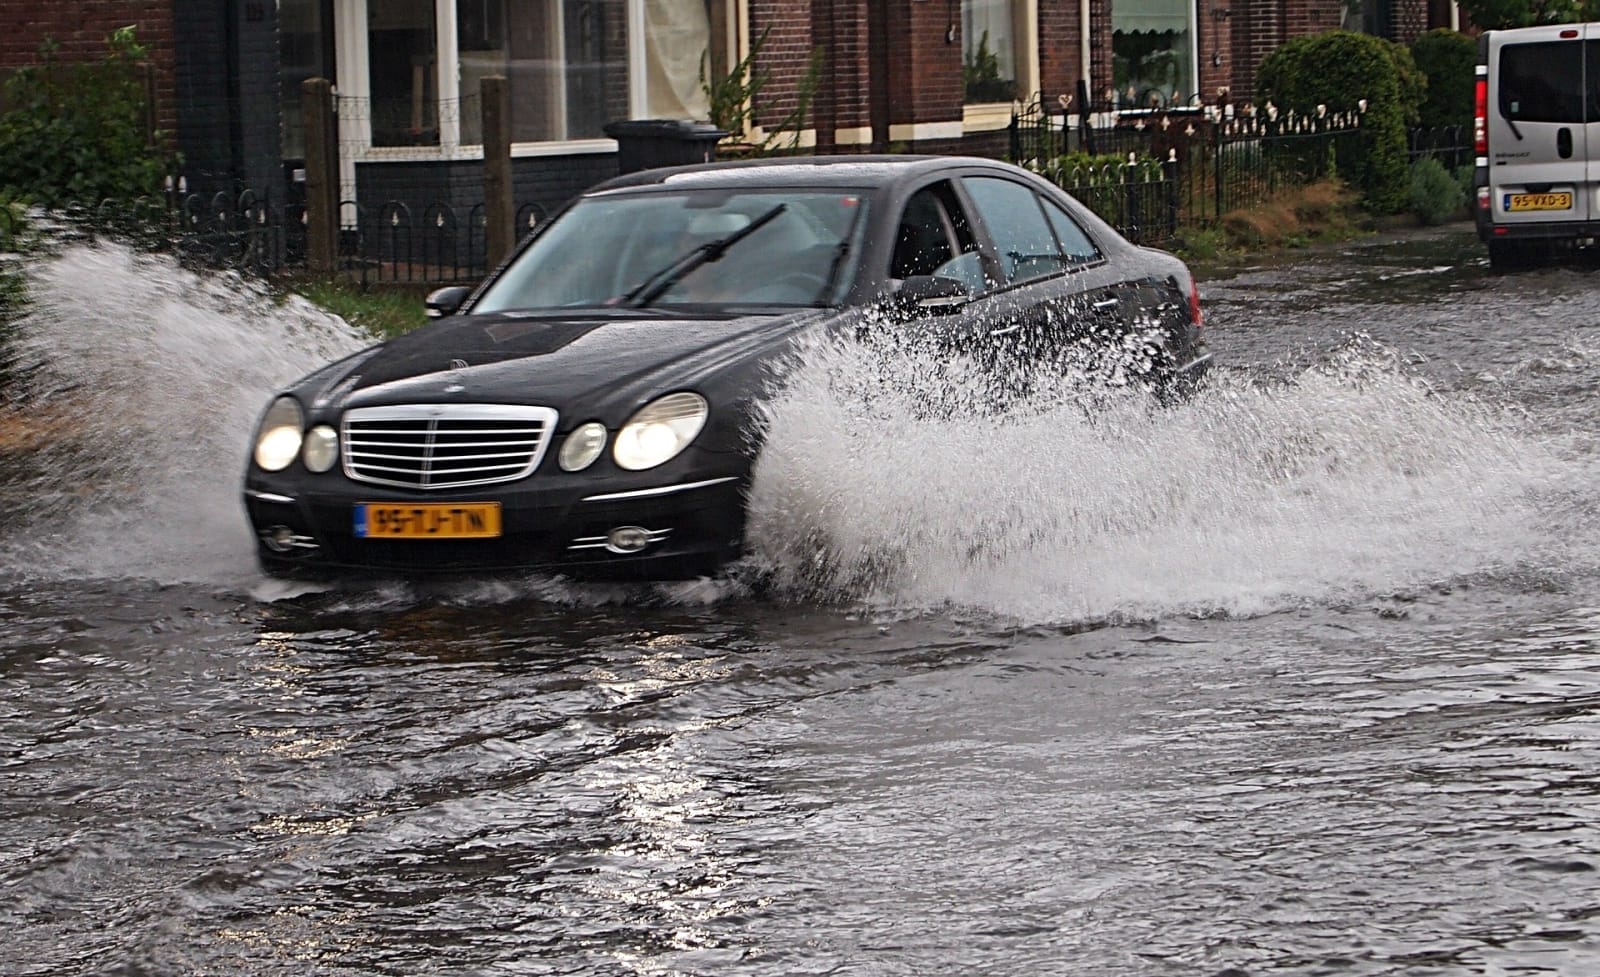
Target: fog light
282,539
321,448
627,539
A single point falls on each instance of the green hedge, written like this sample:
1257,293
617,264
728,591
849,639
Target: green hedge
1338,69
77,133
1447,58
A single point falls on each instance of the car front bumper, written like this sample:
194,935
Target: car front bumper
694,524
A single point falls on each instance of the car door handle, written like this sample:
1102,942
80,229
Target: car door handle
1104,304
1564,143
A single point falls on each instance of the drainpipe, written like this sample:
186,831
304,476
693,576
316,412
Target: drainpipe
1083,16
1455,16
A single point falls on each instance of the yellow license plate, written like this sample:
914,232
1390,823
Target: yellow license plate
427,520
1539,201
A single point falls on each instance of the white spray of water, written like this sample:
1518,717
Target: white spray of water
882,481
887,474
151,377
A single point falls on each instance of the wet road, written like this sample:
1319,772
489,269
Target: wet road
1301,679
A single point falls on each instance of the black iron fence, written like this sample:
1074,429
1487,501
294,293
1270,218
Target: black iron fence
393,241
1152,172
1450,145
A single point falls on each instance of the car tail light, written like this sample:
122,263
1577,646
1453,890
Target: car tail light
1195,315
1480,116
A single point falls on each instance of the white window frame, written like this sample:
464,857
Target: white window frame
354,81
989,116
1194,48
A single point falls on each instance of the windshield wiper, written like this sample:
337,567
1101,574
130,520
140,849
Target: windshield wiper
657,284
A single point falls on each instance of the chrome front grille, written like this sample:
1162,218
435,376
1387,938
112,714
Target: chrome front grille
444,446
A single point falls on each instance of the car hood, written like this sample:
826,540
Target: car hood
564,361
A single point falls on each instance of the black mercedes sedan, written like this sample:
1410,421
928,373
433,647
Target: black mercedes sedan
590,409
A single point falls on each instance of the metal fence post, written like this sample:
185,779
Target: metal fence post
499,212
322,175
1169,173
1216,168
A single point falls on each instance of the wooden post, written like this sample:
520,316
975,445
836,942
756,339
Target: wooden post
322,175
499,212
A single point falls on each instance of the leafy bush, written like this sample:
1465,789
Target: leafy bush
1435,195
980,76
1497,15
1336,69
736,103
1447,58
1082,169
77,133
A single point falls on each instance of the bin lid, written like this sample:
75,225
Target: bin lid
688,130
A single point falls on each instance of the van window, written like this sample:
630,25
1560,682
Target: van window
1544,81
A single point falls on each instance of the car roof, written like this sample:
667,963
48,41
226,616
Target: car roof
861,172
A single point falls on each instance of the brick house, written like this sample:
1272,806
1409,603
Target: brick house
919,75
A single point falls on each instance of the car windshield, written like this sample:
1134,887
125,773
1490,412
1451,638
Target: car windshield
745,247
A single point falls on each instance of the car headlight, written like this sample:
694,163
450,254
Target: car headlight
583,446
278,437
321,448
659,431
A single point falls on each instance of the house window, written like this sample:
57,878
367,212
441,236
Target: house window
677,41
1152,48
401,55
989,50
565,62
571,65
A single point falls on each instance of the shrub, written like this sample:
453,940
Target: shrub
1435,195
1447,58
76,134
1337,69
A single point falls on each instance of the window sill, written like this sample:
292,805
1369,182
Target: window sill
986,116
395,154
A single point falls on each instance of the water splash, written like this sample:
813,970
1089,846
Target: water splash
148,378
888,476
1353,477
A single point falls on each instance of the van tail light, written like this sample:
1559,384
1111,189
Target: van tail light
1480,118
1195,315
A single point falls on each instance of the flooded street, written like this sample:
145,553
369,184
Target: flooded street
1301,678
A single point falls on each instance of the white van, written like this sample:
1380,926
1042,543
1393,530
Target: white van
1537,130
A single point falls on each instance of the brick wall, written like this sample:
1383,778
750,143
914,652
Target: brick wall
1060,51
925,81
841,29
785,54
81,29
1261,26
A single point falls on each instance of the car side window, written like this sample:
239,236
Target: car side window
932,235
1076,246
1022,236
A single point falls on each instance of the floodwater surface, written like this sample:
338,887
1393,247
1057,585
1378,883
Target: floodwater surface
1299,678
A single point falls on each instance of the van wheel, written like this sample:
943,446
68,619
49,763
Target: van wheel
1511,255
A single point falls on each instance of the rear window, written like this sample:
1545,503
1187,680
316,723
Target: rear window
1548,81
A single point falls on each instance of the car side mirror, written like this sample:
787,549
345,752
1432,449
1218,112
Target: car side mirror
932,294
446,301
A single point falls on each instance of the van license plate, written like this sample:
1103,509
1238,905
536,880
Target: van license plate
427,520
1538,201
